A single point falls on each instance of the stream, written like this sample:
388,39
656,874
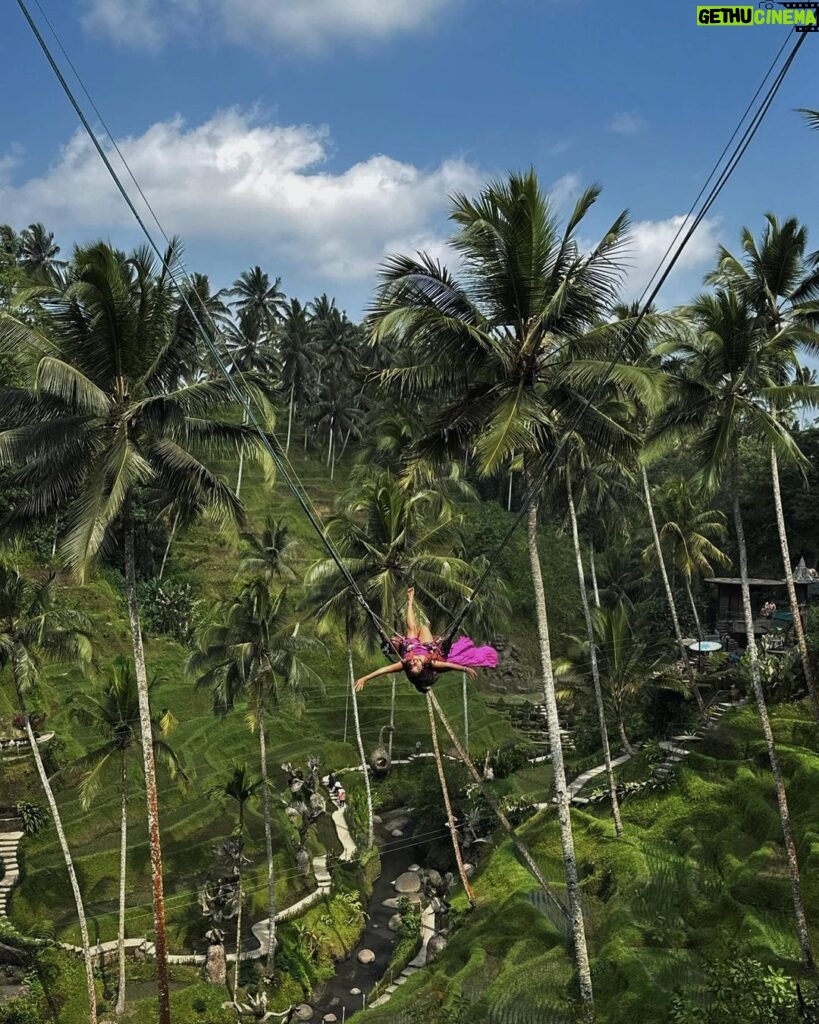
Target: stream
335,996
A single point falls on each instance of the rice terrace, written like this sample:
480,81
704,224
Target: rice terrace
409,538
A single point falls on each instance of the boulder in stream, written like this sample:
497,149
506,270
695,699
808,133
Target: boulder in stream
304,1012
366,956
408,882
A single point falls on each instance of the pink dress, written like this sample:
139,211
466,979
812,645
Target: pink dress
462,652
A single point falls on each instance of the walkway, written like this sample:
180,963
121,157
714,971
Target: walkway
662,771
10,836
418,961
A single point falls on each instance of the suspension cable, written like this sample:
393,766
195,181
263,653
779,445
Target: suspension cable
274,450
534,489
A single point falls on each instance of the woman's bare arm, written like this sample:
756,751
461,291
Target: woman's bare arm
385,670
451,666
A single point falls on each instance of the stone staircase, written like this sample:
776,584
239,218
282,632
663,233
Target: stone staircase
10,835
676,753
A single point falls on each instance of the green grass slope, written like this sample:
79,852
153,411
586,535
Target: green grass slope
699,869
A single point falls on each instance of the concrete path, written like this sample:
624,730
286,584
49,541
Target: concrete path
418,961
349,848
663,770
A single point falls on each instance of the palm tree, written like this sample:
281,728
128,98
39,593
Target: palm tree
251,652
254,295
727,389
240,787
509,353
781,282
213,317
691,533
625,667
33,630
595,672
298,352
103,412
114,718
250,347
269,554
387,536
38,253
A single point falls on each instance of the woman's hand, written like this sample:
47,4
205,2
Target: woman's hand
471,673
359,684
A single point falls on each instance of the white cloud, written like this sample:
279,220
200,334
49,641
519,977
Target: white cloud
650,240
234,181
306,24
565,191
627,122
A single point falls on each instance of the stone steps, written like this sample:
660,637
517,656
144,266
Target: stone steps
9,842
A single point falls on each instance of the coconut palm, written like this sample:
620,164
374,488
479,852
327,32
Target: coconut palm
595,671
251,351
269,554
627,664
255,296
102,413
508,354
388,536
114,718
729,389
38,253
690,533
298,353
33,629
252,652
781,282
240,788
213,316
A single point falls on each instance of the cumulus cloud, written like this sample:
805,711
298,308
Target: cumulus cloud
627,122
650,240
236,181
306,24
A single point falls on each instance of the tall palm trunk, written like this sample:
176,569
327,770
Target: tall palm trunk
621,728
658,548
360,744
509,491
450,817
268,847
160,939
786,562
595,670
69,863
581,953
238,961
693,604
466,710
168,545
330,441
781,796
593,571
123,850
290,417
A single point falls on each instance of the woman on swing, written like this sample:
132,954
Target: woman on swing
423,656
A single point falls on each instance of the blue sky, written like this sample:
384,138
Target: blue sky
314,136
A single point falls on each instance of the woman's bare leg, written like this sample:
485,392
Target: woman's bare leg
413,629
412,623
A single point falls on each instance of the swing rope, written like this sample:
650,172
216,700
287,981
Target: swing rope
450,818
522,848
269,441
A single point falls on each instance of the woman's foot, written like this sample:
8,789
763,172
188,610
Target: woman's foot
410,595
